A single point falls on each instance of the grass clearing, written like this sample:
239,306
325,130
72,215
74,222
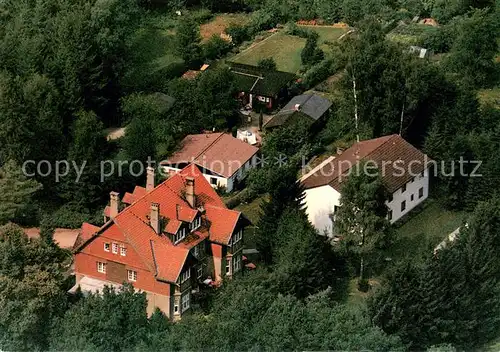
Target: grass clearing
152,51
490,96
327,34
219,24
283,48
424,231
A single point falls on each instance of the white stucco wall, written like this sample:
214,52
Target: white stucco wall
412,188
228,183
320,202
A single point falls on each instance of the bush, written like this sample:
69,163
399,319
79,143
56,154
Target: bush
262,20
267,63
363,285
72,215
233,202
319,73
293,29
438,39
238,33
216,48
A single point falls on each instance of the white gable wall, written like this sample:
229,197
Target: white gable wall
412,188
320,202
227,182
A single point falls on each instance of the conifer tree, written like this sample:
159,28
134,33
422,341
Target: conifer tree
16,191
362,217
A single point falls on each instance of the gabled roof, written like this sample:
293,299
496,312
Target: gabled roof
218,152
253,79
157,252
309,104
393,151
305,106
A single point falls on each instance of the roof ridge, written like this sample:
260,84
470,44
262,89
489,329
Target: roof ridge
210,145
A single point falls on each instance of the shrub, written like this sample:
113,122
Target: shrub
233,202
216,48
72,215
363,285
319,73
293,29
238,33
267,63
439,39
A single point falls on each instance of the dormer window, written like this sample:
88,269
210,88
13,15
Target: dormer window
195,224
179,236
185,275
236,237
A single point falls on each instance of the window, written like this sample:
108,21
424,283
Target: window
185,275
213,181
107,247
123,251
196,251
101,267
403,189
390,198
236,264
196,223
389,215
403,205
420,192
180,235
132,275
200,272
412,197
228,267
185,302
115,248
236,237
176,309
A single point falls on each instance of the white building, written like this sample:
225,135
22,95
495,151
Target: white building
222,158
404,171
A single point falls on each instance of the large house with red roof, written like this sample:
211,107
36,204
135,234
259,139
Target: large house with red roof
404,170
222,158
164,240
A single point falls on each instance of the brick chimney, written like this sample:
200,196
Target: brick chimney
154,217
190,197
150,180
114,204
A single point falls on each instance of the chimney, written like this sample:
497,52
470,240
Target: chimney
114,204
154,217
150,180
297,107
190,197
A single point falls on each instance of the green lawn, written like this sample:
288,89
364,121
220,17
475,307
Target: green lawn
283,48
328,34
424,230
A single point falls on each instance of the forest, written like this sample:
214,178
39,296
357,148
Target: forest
72,70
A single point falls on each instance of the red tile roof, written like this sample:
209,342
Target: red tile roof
389,152
129,198
223,221
217,152
157,252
